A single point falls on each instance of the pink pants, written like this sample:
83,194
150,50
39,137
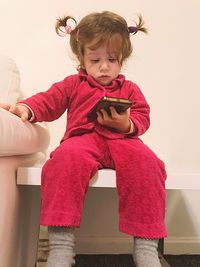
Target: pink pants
140,180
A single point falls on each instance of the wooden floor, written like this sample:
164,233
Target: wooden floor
126,261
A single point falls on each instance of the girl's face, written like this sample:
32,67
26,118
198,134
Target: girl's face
101,63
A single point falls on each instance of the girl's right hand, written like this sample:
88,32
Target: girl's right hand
19,110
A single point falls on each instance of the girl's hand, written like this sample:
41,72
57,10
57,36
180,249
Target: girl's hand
19,110
120,122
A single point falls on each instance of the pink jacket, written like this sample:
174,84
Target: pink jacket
78,93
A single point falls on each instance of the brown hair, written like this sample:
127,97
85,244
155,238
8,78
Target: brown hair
102,27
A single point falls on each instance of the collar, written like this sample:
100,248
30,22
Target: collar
116,83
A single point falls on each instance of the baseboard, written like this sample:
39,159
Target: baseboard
182,245
93,245
104,245
124,245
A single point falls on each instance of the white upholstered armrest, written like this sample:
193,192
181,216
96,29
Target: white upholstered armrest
19,138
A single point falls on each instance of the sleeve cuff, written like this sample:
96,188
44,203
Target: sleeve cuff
132,128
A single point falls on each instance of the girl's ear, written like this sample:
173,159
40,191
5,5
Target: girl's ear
120,60
82,66
80,59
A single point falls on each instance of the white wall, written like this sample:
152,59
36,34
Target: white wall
166,66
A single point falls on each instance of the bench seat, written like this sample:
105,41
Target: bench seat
106,178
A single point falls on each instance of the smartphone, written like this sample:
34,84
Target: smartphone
120,104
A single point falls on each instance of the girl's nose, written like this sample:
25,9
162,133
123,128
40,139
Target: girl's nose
104,66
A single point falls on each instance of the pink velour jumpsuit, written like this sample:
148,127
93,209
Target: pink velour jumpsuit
87,146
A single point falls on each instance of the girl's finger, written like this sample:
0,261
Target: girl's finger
24,116
13,109
105,114
5,106
99,114
113,112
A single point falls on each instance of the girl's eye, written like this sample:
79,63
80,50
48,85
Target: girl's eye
112,60
94,60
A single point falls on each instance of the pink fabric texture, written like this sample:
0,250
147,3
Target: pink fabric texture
87,147
140,182
78,94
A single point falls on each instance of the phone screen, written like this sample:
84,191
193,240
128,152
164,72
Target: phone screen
120,104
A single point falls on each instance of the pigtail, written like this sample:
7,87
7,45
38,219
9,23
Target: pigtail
64,25
139,26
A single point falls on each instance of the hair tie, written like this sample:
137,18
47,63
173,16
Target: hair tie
68,29
70,25
132,29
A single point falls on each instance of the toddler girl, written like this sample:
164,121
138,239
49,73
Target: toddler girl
101,43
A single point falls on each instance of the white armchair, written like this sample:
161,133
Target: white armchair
21,144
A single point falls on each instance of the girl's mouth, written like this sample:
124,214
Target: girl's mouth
104,76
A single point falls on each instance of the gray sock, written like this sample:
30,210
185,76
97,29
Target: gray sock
61,247
146,252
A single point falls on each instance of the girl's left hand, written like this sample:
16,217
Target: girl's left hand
117,121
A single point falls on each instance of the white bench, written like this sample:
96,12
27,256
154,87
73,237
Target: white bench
106,178
31,177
